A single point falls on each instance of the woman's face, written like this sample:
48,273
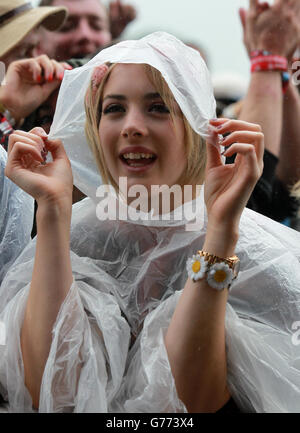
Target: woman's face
137,134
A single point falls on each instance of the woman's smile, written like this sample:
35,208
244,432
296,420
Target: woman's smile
137,158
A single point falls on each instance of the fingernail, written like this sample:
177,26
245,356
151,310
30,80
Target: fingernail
50,78
219,127
61,76
39,78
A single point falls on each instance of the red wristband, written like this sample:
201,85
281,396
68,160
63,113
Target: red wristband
269,63
265,61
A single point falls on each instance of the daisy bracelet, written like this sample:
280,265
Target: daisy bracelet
219,272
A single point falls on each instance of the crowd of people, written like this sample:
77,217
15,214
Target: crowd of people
135,315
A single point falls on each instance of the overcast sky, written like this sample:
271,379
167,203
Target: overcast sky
212,23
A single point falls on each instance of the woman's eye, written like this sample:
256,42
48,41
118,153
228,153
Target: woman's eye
159,108
114,108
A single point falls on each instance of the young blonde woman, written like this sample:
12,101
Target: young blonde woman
136,315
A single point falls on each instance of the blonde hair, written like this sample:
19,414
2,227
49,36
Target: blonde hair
194,143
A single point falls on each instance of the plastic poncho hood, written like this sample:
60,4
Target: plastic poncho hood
181,66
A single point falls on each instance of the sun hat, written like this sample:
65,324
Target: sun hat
19,17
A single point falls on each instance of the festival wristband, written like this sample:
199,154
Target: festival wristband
262,60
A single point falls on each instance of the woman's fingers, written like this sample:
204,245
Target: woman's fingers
223,126
249,137
213,156
244,139
36,138
247,151
26,137
213,149
54,146
19,157
240,131
38,131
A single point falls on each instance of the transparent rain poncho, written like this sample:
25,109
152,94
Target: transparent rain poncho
108,351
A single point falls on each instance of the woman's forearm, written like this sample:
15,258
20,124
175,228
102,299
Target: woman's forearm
51,281
288,169
195,340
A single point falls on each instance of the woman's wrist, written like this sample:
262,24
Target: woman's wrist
221,241
55,209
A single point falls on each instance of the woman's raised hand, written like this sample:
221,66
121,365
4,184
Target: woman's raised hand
228,187
48,183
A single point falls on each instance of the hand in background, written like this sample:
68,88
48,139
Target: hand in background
273,28
120,16
29,82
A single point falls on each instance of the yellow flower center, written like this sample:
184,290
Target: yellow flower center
220,276
196,267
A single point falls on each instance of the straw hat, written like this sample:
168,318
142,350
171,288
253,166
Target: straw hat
19,17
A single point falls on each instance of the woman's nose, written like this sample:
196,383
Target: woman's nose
135,126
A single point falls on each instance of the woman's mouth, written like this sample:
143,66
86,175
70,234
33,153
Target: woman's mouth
138,160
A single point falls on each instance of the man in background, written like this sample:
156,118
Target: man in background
88,28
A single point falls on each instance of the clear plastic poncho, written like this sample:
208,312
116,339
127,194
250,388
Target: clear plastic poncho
108,351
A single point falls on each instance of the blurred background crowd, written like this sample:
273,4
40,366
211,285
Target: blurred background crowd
250,47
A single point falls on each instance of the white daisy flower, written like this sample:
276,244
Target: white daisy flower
196,267
219,276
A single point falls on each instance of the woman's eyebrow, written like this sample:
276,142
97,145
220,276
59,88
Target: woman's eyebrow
119,97
152,95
